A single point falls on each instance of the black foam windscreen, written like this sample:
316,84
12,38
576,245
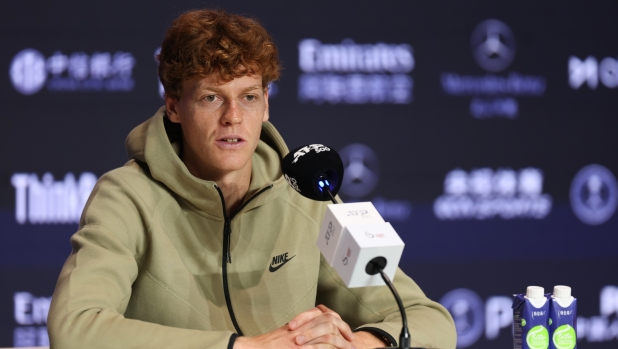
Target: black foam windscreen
309,169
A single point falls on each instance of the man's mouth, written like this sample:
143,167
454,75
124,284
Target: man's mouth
231,142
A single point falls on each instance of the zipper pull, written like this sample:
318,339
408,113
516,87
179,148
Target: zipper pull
228,234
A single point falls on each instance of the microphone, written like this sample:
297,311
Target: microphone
354,238
315,171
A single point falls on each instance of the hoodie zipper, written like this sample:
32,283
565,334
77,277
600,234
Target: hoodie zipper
227,255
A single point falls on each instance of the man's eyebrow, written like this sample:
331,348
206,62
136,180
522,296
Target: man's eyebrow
251,88
216,89
208,88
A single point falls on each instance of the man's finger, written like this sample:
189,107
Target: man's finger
325,309
346,331
316,329
326,323
329,341
304,317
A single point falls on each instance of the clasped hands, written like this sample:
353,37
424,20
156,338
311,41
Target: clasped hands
317,328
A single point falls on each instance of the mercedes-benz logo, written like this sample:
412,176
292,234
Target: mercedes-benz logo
362,170
493,45
594,194
28,72
468,312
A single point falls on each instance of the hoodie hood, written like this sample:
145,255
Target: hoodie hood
157,142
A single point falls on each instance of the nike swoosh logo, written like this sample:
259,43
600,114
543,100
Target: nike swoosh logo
274,269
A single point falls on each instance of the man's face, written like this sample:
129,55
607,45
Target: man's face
221,123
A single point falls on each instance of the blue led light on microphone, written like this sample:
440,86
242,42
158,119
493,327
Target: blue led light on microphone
325,186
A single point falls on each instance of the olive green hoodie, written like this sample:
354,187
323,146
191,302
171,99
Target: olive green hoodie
150,268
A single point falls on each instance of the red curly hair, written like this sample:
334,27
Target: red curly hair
203,42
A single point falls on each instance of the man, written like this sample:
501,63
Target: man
174,249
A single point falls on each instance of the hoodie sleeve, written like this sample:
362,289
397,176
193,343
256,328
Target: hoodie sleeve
94,286
374,309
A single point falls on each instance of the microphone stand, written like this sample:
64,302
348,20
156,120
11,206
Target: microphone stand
375,266
326,188
332,198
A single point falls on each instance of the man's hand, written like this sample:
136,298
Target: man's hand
359,340
281,338
321,327
316,328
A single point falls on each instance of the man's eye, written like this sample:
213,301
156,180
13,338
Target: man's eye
250,98
211,98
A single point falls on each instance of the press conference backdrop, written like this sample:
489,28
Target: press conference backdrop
485,132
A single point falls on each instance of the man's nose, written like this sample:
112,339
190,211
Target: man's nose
232,114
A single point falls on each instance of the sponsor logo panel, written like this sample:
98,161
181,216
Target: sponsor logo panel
495,94
47,201
466,308
30,313
485,194
594,194
30,71
351,73
590,71
493,45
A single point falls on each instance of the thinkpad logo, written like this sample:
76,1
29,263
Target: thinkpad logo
279,261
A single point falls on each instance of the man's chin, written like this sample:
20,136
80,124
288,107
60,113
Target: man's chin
232,165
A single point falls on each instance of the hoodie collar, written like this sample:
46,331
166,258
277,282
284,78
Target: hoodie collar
157,142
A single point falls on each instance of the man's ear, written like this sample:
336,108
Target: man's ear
171,105
266,113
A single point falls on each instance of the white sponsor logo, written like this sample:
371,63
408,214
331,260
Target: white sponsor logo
361,176
348,56
594,194
30,311
493,45
472,317
609,300
100,71
306,149
493,85
392,210
498,315
493,48
466,308
49,202
484,193
361,170
604,327
292,182
589,71
353,73
27,71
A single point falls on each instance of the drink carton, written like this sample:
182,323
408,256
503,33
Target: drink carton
562,319
530,319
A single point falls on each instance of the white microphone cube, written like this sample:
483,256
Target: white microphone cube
359,244
336,218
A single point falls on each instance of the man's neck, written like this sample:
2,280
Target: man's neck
234,185
234,190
